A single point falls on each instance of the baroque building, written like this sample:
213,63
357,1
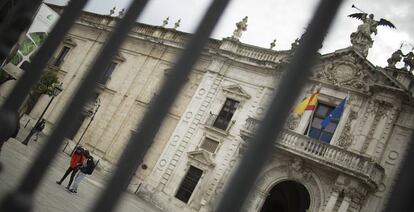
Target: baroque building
348,166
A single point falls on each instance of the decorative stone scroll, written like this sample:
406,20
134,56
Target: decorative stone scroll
297,170
346,138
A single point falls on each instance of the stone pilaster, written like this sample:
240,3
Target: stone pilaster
364,126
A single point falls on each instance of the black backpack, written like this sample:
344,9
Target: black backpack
90,166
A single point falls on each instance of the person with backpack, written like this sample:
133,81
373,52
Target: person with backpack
87,169
76,162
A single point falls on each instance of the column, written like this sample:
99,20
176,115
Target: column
331,202
345,204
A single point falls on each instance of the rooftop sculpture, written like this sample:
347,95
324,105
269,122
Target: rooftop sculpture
112,11
273,44
165,22
241,27
177,24
361,39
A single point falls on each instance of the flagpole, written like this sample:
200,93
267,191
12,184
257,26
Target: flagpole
311,120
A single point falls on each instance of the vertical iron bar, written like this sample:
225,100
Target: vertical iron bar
261,145
34,71
401,196
49,150
137,146
20,200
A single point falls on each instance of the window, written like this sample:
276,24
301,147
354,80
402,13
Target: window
188,184
226,113
61,57
315,128
108,72
209,145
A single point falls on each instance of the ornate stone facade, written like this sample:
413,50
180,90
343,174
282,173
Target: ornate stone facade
353,172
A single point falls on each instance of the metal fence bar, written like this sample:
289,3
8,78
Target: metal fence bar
15,23
20,200
137,146
261,145
401,196
39,62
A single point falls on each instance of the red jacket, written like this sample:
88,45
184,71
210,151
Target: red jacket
76,160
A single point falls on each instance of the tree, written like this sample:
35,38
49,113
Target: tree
44,86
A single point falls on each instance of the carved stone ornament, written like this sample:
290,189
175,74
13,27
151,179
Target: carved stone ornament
345,74
293,121
297,170
346,138
357,195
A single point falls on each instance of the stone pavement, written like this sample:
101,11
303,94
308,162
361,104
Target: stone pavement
51,197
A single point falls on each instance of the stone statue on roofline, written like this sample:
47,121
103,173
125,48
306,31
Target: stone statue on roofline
369,25
273,44
395,58
409,61
177,24
361,39
165,22
295,44
112,11
241,27
121,13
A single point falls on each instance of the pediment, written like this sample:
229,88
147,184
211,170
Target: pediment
236,90
69,41
201,156
347,68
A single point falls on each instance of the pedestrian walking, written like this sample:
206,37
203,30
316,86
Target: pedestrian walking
87,168
39,128
76,162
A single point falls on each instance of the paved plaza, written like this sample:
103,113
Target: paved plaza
51,197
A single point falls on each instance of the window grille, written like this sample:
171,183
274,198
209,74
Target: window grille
188,184
315,129
61,57
226,114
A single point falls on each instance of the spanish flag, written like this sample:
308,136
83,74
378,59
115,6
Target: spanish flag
307,104
305,110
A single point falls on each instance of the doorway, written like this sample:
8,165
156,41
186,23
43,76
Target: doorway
287,196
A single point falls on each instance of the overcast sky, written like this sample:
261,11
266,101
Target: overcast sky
283,20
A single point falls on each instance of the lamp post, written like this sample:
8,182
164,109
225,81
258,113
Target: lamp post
97,105
56,91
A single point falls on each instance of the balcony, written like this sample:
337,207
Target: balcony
339,159
219,127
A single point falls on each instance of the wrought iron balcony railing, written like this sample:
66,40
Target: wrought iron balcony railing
219,125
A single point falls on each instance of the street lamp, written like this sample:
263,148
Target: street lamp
56,91
92,115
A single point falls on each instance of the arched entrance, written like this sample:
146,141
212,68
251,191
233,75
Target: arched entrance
287,196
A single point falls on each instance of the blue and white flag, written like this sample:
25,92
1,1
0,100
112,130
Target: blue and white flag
335,114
